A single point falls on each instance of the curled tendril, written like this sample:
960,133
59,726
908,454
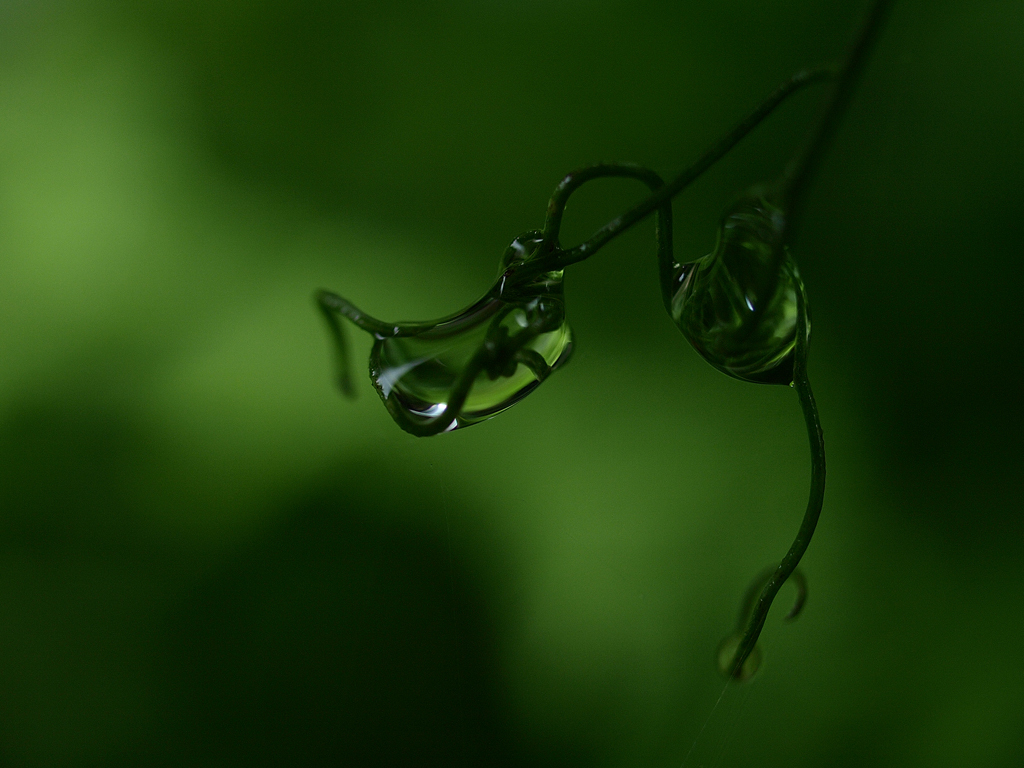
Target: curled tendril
743,308
739,657
444,374
745,668
742,669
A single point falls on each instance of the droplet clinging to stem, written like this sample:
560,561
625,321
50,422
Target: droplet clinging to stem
738,305
449,373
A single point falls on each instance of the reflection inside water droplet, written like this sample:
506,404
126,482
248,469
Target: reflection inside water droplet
513,337
737,306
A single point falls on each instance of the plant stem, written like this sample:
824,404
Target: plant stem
815,500
713,154
794,182
790,191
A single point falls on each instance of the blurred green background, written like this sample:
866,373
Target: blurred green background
209,558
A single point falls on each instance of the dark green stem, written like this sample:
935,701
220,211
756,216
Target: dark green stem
342,374
792,187
576,179
579,177
753,592
789,193
814,502
331,303
617,226
333,307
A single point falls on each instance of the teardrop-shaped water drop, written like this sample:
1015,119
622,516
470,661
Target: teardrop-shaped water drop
516,336
727,656
737,306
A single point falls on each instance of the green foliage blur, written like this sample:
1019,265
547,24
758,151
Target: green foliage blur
209,558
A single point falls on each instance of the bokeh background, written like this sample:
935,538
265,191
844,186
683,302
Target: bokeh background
209,558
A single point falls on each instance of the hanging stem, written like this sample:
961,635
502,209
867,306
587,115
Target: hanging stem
577,178
663,221
713,154
814,502
793,184
334,307
790,191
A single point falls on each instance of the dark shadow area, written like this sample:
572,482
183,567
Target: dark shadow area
340,637
339,634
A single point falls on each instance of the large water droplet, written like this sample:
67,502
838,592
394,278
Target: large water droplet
517,334
737,306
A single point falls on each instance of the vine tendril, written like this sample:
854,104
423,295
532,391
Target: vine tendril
743,307
736,667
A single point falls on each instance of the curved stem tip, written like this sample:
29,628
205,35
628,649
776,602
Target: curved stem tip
737,667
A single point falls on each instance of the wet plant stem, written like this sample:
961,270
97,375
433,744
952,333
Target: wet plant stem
641,210
816,498
793,184
790,192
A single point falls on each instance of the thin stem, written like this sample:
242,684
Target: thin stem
754,592
620,224
332,303
342,373
793,184
814,502
577,178
333,307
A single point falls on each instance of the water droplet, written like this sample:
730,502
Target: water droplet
737,306
727,654
516,335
